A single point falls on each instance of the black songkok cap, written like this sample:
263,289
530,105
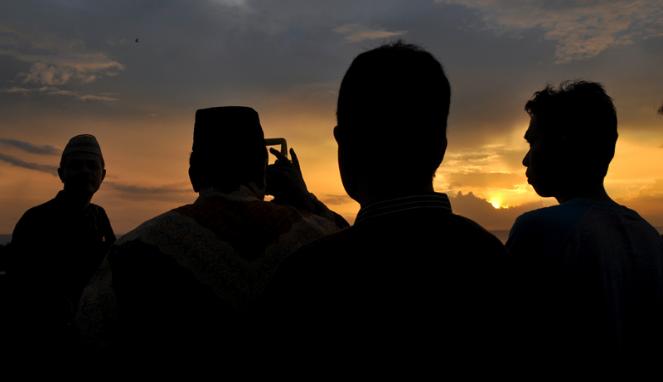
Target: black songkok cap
228,131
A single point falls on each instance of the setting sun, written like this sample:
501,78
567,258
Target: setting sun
497,201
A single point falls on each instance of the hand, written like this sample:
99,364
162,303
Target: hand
285,180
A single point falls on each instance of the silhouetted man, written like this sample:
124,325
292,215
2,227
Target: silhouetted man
409,274
591,270
56,247
184,280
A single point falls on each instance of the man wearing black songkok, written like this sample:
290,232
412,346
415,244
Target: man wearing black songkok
183,282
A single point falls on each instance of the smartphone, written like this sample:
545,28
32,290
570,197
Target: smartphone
276,142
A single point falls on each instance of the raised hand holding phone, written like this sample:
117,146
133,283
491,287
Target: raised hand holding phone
285,180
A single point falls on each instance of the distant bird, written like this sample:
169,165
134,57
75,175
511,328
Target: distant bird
660,110
137,40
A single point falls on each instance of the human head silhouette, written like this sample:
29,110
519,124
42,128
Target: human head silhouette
228,150
392,116
572,136
82,167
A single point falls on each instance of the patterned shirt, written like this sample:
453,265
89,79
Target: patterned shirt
194,271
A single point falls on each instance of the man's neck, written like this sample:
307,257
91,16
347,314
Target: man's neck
593,192
244,192
389,194
75,200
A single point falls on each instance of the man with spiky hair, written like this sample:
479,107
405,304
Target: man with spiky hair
590,270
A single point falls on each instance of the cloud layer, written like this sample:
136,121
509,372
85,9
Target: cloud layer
357,33
54,91
17,162
143,192
135,192
30,147
480,210
55,61
581,29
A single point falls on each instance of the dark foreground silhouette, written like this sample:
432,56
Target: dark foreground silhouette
411,279
590,271
55,249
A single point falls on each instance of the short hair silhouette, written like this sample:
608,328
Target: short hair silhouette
228,149
583,115
395,97
407,250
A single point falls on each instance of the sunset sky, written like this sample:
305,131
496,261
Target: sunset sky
134,72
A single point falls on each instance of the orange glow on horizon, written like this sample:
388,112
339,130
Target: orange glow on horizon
492,173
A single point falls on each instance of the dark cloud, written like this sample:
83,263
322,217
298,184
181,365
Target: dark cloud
333,200
141,192
30,147
209,50
17,162
221,51
357,33
580,29
54,91
481,211
168,192
54,60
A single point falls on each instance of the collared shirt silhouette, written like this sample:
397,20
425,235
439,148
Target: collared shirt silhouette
56,247
181,283
409,274
590,271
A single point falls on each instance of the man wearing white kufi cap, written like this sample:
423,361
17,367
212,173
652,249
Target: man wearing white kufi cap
57,246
